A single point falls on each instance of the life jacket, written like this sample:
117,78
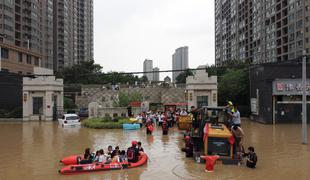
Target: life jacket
130,153
150,127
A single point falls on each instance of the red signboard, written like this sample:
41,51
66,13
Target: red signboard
135,104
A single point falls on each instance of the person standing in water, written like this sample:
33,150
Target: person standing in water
149,126
251,158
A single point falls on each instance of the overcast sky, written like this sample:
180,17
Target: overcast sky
128,31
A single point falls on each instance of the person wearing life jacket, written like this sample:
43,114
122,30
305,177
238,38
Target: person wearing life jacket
230,113
133,152
149,126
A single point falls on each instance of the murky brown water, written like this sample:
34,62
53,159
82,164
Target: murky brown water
33,150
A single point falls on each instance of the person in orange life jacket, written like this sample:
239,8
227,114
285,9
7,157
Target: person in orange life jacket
140,147
149,126
133,152
188,147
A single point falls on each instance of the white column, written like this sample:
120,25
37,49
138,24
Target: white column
48,113
26,106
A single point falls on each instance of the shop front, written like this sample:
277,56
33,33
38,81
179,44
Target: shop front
276,92
287,100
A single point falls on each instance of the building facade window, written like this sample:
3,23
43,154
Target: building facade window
20,57
4,53
28,59
36,61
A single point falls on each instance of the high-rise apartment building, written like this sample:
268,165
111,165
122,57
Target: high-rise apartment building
260,31
73,35
46,11
148,67
22,35
48,33
179,61
155,74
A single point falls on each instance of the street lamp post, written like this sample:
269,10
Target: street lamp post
304,80
304,98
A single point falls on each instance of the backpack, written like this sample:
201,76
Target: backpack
130,153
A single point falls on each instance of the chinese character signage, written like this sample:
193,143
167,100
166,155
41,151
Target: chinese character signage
289,87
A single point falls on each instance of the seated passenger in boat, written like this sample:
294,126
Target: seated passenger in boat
122,156
133,152
88,157
102,158
96,158
115,158
110,151
116,150
140,148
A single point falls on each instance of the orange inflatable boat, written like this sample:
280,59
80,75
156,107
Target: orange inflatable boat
86,168
73,159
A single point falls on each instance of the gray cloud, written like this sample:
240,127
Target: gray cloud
128,31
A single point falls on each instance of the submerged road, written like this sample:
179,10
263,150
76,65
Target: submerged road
32,151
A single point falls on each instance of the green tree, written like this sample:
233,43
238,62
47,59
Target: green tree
134,97
90,73
68,103
86,72
234,85
181,78
144,79
124,99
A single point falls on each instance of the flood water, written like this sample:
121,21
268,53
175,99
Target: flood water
32,150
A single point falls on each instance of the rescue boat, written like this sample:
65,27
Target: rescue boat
73,159
94,167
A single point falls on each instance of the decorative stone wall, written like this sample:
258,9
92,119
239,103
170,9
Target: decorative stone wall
105,97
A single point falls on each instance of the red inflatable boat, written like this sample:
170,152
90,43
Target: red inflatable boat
85,168
73,159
